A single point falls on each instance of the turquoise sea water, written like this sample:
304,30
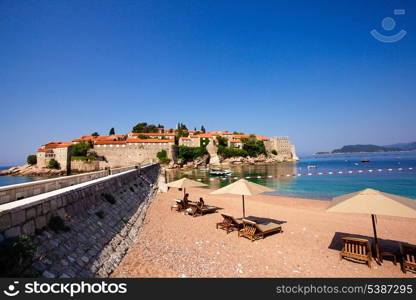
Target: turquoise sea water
325,187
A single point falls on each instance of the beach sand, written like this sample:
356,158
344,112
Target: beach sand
176,245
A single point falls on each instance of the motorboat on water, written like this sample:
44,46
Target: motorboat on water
220,172
365,161
310,167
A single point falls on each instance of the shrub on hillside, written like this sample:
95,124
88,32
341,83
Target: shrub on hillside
15,254
163,157
227,152
57,224
32,160
274,152
109,198
53,164
253,146
80,149
186,154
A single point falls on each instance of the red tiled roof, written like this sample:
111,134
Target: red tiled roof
235,141
185,138
149,141
241,136
53,145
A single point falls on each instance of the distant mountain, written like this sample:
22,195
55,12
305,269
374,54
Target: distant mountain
364,148
403,146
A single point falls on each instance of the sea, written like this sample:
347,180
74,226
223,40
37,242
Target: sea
8,180
399,180
394,177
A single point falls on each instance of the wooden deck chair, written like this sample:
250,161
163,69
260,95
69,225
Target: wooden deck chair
253,230
229,223
356,249
178,206
408,253
195,210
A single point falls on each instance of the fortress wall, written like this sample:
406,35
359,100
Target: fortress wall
130,154
20,191
93,246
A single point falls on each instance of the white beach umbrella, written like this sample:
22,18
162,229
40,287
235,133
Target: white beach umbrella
185,183
374,202
243,187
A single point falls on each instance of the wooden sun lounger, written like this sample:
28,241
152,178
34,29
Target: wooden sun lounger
179,206
253,230
356,249
229,223
196,210
408,253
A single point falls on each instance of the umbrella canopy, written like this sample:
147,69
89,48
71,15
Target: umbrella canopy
185,183
374,202
243,187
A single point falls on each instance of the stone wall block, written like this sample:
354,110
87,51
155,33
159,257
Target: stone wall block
18,217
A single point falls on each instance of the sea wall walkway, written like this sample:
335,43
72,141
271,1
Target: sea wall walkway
20,191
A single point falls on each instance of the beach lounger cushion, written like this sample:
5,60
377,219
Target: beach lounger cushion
229,223
356,249
253,230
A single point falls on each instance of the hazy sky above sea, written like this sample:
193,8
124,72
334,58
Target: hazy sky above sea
305,69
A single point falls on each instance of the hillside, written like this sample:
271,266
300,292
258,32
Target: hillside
364,148
403,146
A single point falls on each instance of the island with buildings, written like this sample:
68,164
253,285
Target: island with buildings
174,148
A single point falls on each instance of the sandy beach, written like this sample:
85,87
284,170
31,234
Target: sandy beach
176,245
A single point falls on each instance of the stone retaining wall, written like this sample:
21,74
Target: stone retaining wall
94,246
20,191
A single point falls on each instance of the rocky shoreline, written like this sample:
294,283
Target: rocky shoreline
31,170
205,161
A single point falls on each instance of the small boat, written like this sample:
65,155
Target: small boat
311,167
356,164
220,172
365,161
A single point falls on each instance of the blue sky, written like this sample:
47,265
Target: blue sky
305,69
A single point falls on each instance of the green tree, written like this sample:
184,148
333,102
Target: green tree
112,131
222,141
253,146
53,164
144,128
203,129
32,160
163,157
80,149
95,134
274,152
227,152
186,154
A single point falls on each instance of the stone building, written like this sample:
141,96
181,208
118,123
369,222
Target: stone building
58,151
283,147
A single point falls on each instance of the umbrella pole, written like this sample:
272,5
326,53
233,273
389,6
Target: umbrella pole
244,209
373,218
184,192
